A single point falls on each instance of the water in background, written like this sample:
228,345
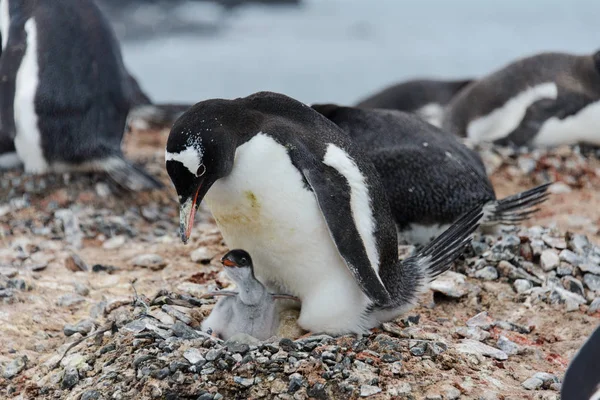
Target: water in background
341,50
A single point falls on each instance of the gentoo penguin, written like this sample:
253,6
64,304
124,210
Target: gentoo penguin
545,100
582,380
430,178
65,92
288,186
426,98
251,310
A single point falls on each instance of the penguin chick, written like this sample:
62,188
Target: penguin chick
427,98
251,310
290,187
65,92
430,178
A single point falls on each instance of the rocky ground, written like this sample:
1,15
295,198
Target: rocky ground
99,300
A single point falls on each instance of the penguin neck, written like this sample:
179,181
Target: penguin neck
250,289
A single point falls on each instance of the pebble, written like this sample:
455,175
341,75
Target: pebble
75,263
114,242
70,378
150,261
243,338
546,378
246,382
522,285
8,272
69,300
15,367
570,257
564,269
507,346
488,273
549,260
469,346
481,320
402,389
573,285
595,306
70,223
569,299
474,333
83,327
451,284
589,267
592,282
559,187
91,395
181,330
557,243
213,354
202,255
532,383
369,390
193,355
296,382
81,289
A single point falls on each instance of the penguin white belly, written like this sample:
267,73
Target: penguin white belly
583,127
264,208
28,141
502,121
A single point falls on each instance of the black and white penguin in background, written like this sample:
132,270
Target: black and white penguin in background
430,178
288,186
545,100
582,379
64,93
427,98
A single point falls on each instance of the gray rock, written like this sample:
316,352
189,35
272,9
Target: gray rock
511,326
296,382
69,300
451,393
564,269
83,327
546,378
70,223
532,384
418,348
573,285
16,283
369,390
557,243
201,255
592,282
243,338
522,285
6,293
507,346
579,244
213,354
91,395
549,260
70,378
193,355
183,331
488,273
469,346
402,389
175,313
474,333
81,289
114,242
569,299
570,257
8,272
590,267
15,367
150,261
245,382
512,272
481,320
595,306
451,284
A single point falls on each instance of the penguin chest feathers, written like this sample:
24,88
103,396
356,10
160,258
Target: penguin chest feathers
264,207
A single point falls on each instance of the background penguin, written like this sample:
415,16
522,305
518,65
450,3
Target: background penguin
582,380
288,186
251,310
65,93
548,99
426,98
430,178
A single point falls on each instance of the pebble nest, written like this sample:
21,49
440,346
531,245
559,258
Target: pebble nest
127,324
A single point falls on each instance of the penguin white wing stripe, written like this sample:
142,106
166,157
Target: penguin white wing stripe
190,158
4,22
500,122
360,202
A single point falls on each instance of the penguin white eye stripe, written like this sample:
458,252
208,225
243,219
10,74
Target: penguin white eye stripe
360,201
191,158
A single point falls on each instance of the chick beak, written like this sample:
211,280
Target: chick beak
228,263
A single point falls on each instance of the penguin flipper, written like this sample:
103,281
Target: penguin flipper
128,175
582,380
155,116
332,191
517,208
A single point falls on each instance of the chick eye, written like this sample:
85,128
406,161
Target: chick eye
201,170
243,261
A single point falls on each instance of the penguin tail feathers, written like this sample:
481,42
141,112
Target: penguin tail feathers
155,116
128,175
515,209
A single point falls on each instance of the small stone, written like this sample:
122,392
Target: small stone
571,300
73,233
90,395
81,289
481,320
296,382
579,244
474,333
570,257
8,272
469,346
243,338
532,383
564,269
369,390
15,367
69,300
83,327
595,306
201,255
245,382
402,389
70,378
549,260
451,284
6,293
150,261
161,373
546,378
592,282
488,273
511,326
317,391
522,285
507,346
288,345
193,355
418,349
450,393
75,263
557,243
175,313
590,267
114,242
16,283
213,354
183,331
573,285
559,187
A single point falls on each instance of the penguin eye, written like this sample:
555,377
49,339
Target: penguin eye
201,170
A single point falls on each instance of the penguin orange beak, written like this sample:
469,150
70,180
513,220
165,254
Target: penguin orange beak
187,212
228,263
